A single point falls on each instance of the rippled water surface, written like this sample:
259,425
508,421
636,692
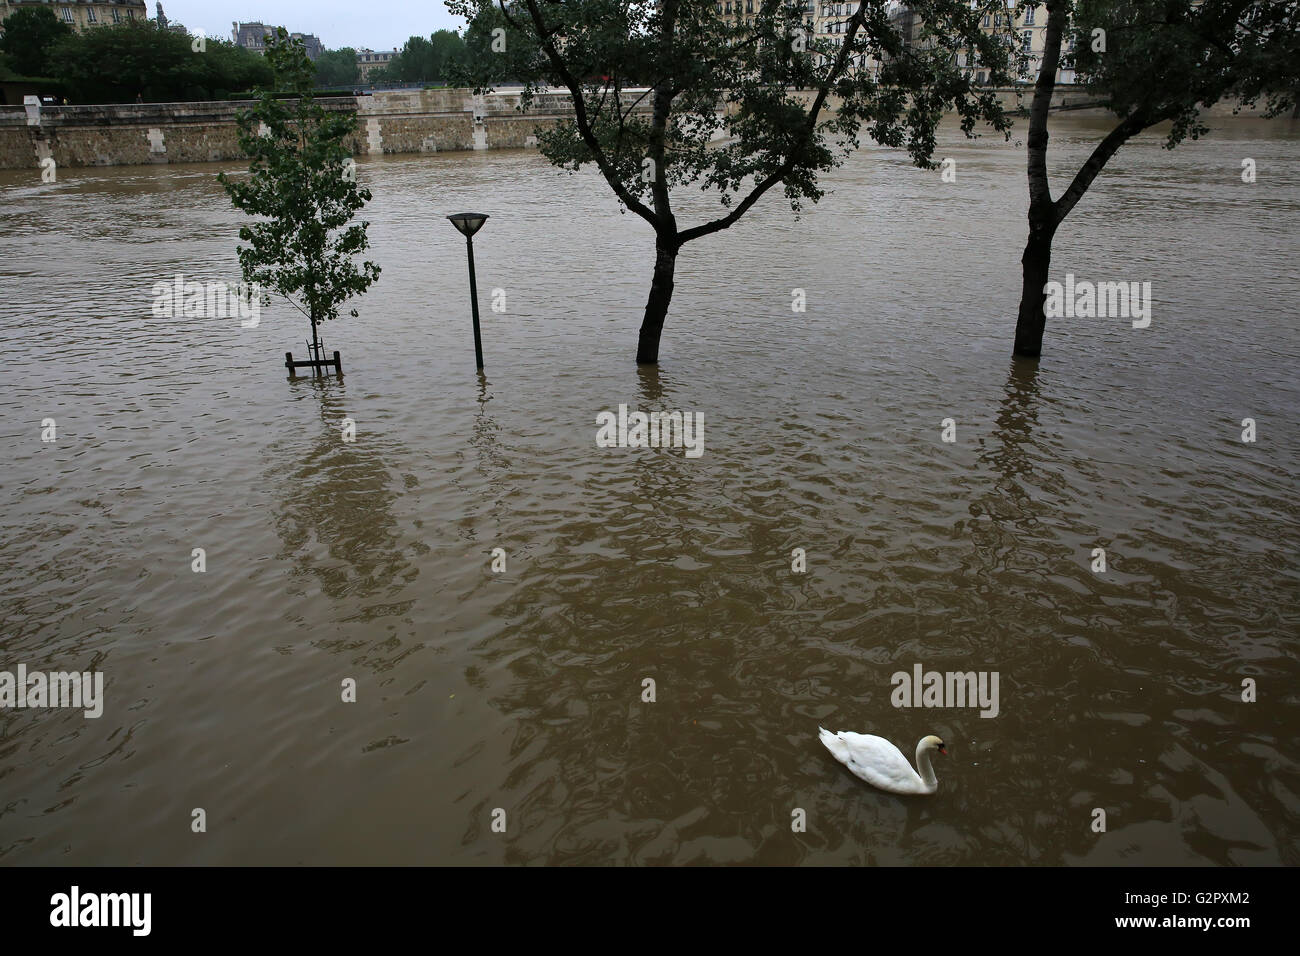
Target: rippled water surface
522,691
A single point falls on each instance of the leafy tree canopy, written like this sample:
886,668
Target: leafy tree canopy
1169,59
337,67
422,60
29,35
668,94
697,63
114,64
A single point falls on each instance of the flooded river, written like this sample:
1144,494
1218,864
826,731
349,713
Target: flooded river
525,691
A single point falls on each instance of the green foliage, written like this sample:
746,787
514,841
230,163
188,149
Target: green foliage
337,67
302,246
1169,59
230,67
421,60
9,75
114,64
449,53
729,116
478,64
30,33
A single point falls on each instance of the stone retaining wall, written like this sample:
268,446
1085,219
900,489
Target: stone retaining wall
404,121
418,121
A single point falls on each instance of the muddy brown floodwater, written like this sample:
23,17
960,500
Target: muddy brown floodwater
522,690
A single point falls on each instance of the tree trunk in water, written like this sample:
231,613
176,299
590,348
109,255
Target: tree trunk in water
1043,215
1035,265
656,307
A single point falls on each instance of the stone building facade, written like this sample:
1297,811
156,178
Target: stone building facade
252,36
81,15
370,60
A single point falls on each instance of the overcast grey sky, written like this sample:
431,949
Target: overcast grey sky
377,24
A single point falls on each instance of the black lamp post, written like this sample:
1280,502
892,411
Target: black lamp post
470,223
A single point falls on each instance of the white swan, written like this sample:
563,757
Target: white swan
883,765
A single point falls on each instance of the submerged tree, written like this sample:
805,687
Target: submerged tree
1151,61
737,107
303,185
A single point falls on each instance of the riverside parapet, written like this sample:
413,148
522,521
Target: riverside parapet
419,121
400,121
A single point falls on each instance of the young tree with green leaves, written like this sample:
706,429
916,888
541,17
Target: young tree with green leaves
736,109
302,185
1151,62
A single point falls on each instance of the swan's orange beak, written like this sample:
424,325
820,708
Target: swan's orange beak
944,751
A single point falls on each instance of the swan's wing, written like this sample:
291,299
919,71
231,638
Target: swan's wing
874,760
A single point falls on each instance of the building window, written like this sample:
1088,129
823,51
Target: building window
90,15
1029,17
117,15
985,22
66,13
1026,39
749,6
997,19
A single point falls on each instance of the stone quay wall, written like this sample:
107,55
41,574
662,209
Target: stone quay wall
416,121
401,121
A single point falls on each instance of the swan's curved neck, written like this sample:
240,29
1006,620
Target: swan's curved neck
924,768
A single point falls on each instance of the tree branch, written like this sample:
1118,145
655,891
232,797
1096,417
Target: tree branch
841,61
1126,130
1040,195
581,119
663,101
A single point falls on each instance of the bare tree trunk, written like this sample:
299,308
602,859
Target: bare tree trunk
1035,264
666,243
1046,215
656,307
1043,219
